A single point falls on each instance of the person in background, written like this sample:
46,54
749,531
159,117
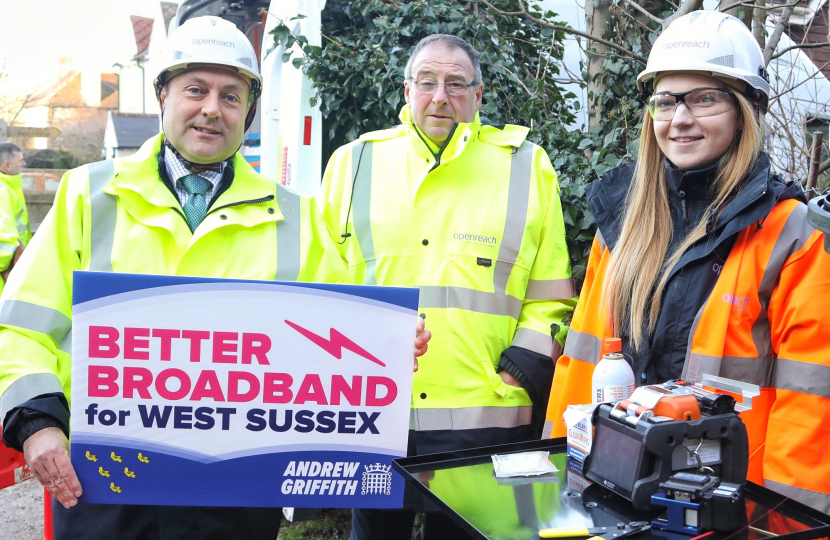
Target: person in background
469,212
15,232
703,261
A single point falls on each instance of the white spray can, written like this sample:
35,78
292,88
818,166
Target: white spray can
613,378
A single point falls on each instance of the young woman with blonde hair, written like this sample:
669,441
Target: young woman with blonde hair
704,262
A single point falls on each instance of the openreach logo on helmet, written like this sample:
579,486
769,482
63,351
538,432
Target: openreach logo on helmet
206,41
686,44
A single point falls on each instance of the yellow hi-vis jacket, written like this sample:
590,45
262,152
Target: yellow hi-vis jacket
14,220
118,216
764,323
479,229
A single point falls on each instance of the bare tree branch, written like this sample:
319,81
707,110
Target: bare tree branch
754,5
759,21
685,7
801,46
775,37
642,10
567,29
793,87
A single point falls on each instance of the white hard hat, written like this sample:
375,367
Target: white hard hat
208,40
713,42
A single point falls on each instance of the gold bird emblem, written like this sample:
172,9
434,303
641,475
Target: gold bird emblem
115,458
102,472
128,473
115,488
91,457
142,458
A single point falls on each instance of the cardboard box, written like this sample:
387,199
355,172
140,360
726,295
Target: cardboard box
580,431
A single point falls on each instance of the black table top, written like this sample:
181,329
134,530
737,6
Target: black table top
463,485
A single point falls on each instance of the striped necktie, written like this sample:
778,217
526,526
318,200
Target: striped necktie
195,208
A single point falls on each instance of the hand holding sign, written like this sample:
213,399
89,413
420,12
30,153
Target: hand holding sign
47,453
422,337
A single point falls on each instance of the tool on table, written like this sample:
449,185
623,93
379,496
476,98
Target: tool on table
622,530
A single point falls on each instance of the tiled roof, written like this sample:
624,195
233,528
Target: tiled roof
143,29
131,130
168,11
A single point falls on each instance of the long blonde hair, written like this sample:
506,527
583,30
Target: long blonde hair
640,265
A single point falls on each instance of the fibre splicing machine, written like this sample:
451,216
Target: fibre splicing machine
679,446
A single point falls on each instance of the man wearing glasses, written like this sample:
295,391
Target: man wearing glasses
469,212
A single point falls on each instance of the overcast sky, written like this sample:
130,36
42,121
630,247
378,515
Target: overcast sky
36,34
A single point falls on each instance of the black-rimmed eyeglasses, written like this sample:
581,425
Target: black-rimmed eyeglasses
700,102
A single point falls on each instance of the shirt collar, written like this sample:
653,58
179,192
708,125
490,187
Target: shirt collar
178,167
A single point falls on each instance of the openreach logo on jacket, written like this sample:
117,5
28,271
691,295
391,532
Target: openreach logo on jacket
283,394
478,239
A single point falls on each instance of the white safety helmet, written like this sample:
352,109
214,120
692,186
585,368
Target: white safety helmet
213,41
713,42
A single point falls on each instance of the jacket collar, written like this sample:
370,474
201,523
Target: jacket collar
751,204
694,184
14,181
462,135
140,188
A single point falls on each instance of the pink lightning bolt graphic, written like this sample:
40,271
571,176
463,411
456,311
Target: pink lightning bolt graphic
335,344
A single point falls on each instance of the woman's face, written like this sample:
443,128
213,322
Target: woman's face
694,142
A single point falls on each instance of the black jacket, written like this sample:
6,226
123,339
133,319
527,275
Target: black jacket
691,281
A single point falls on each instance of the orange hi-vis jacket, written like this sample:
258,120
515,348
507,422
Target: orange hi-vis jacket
764,323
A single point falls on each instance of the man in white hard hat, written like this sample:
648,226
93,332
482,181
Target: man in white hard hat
186,204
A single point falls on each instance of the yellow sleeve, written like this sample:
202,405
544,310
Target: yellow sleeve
551,293
36,304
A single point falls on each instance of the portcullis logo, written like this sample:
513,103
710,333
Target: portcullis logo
335,344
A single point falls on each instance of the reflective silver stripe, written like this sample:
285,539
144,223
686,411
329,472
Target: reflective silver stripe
692,361
699,364
533,341
514,223
288,235
8,248
36,318
602,244
21,227
794,234
471,300
814,499
583,346
362,198
26,388
66,344
468,418
804,377
550,289
750,370
547,430
104,214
